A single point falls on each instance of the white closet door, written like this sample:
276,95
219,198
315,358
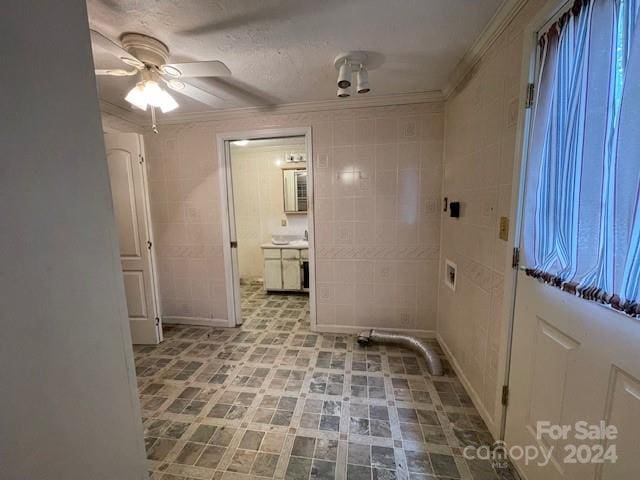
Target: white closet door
131,208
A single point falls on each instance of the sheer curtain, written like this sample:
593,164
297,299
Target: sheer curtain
582,212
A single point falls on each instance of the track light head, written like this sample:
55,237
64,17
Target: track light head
362,80
344,75
344,92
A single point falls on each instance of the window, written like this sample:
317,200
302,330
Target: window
582,225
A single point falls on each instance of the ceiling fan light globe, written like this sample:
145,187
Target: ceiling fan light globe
159,97
152,92
167,102
137,97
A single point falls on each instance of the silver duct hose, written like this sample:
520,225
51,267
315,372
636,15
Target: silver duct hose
433,361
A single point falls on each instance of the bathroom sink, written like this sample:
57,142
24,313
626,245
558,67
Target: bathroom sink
299,243
289,240
279,241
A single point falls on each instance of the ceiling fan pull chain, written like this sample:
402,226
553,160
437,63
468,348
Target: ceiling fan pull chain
153,119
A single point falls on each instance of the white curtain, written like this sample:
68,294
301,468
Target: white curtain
582,218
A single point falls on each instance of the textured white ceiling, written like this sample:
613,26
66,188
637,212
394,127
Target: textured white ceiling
282,51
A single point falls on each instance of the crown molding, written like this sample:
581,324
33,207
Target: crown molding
305,107
498,24
434,96
118,119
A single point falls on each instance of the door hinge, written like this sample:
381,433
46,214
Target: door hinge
149,245
505,395
234,244
515,259
141,158
157,321
530,95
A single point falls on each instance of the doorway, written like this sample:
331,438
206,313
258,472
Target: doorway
267,189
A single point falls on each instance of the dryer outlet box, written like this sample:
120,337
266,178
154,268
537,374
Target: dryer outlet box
450,274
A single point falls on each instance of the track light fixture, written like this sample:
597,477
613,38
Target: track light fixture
347,64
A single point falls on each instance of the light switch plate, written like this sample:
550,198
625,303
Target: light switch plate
504,228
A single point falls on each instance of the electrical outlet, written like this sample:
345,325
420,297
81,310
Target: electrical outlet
323,161
283,222
504,229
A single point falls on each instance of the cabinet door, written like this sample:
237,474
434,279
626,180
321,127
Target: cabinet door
272,274
291,274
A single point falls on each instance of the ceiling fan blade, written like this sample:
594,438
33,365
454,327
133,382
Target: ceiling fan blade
103,42
197,94
213,68
116,72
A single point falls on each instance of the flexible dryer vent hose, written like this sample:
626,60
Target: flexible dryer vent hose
376,336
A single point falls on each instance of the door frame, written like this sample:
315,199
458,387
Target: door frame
550,12
231,268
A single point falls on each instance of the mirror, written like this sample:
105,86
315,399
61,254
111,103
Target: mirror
294,181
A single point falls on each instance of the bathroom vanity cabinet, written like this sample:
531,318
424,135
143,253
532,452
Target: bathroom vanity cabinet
286,268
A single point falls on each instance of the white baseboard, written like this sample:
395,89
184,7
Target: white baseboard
475,398
353,330
204,322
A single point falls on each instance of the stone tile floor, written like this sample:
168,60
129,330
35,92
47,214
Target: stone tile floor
274,400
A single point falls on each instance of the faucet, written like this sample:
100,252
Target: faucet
306,236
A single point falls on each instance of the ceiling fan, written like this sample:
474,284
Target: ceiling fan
148,58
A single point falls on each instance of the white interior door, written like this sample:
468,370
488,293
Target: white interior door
131,207
573,360
233,295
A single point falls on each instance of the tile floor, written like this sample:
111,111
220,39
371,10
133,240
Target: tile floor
274,400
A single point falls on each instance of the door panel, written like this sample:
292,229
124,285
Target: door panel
131,209
123,193
623,408
552,350
136,297
573,360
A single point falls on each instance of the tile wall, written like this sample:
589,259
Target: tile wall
480,149
378,175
